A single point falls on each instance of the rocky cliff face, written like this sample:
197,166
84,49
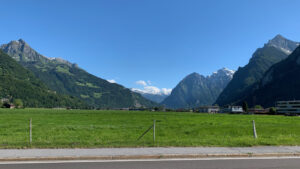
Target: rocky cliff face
283,44
22,52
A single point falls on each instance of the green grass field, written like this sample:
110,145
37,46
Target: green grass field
89,128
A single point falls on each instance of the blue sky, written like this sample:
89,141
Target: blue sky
157,41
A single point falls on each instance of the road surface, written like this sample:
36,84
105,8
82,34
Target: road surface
246,163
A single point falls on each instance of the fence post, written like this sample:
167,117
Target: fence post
154,131
30,130
254,129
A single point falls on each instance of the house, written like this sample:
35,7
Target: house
288,107
233,109
258,111
184,110
4,100
209,109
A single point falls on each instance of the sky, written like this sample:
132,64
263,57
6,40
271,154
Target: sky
149,44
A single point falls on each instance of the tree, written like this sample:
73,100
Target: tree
18,103
258,107
245,106
272,110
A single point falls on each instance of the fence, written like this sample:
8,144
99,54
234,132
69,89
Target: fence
144,129
47,137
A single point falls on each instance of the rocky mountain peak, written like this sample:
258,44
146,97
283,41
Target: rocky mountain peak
21,51
223,72
21,41
279,37
283,44
17,44
193,74
226,70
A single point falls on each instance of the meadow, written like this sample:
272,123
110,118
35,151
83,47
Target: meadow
98,128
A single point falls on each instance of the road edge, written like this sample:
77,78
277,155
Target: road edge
145,157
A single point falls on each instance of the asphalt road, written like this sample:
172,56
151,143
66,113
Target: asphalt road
166,164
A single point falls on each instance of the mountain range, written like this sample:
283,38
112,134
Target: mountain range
197,90
244,80
68,79
40,81
19,83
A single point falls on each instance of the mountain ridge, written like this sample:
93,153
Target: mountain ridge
246,77
67,78
19,83
278,83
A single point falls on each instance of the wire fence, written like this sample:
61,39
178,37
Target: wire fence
34,134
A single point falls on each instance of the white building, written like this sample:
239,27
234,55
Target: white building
233,109
209,109
288,107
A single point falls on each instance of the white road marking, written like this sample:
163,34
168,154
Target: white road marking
143,160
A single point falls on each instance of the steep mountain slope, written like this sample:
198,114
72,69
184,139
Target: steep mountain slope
280,82
243,80
66,78
19,83
196,90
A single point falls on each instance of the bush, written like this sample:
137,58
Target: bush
272,110
18,103
258,107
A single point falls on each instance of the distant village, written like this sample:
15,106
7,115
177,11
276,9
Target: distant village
291,107
281,107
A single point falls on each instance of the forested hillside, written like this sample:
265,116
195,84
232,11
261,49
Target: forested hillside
66,78
19,83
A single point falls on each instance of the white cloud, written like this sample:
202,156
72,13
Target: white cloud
166,91
151,90
147,89
141,82
112,81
